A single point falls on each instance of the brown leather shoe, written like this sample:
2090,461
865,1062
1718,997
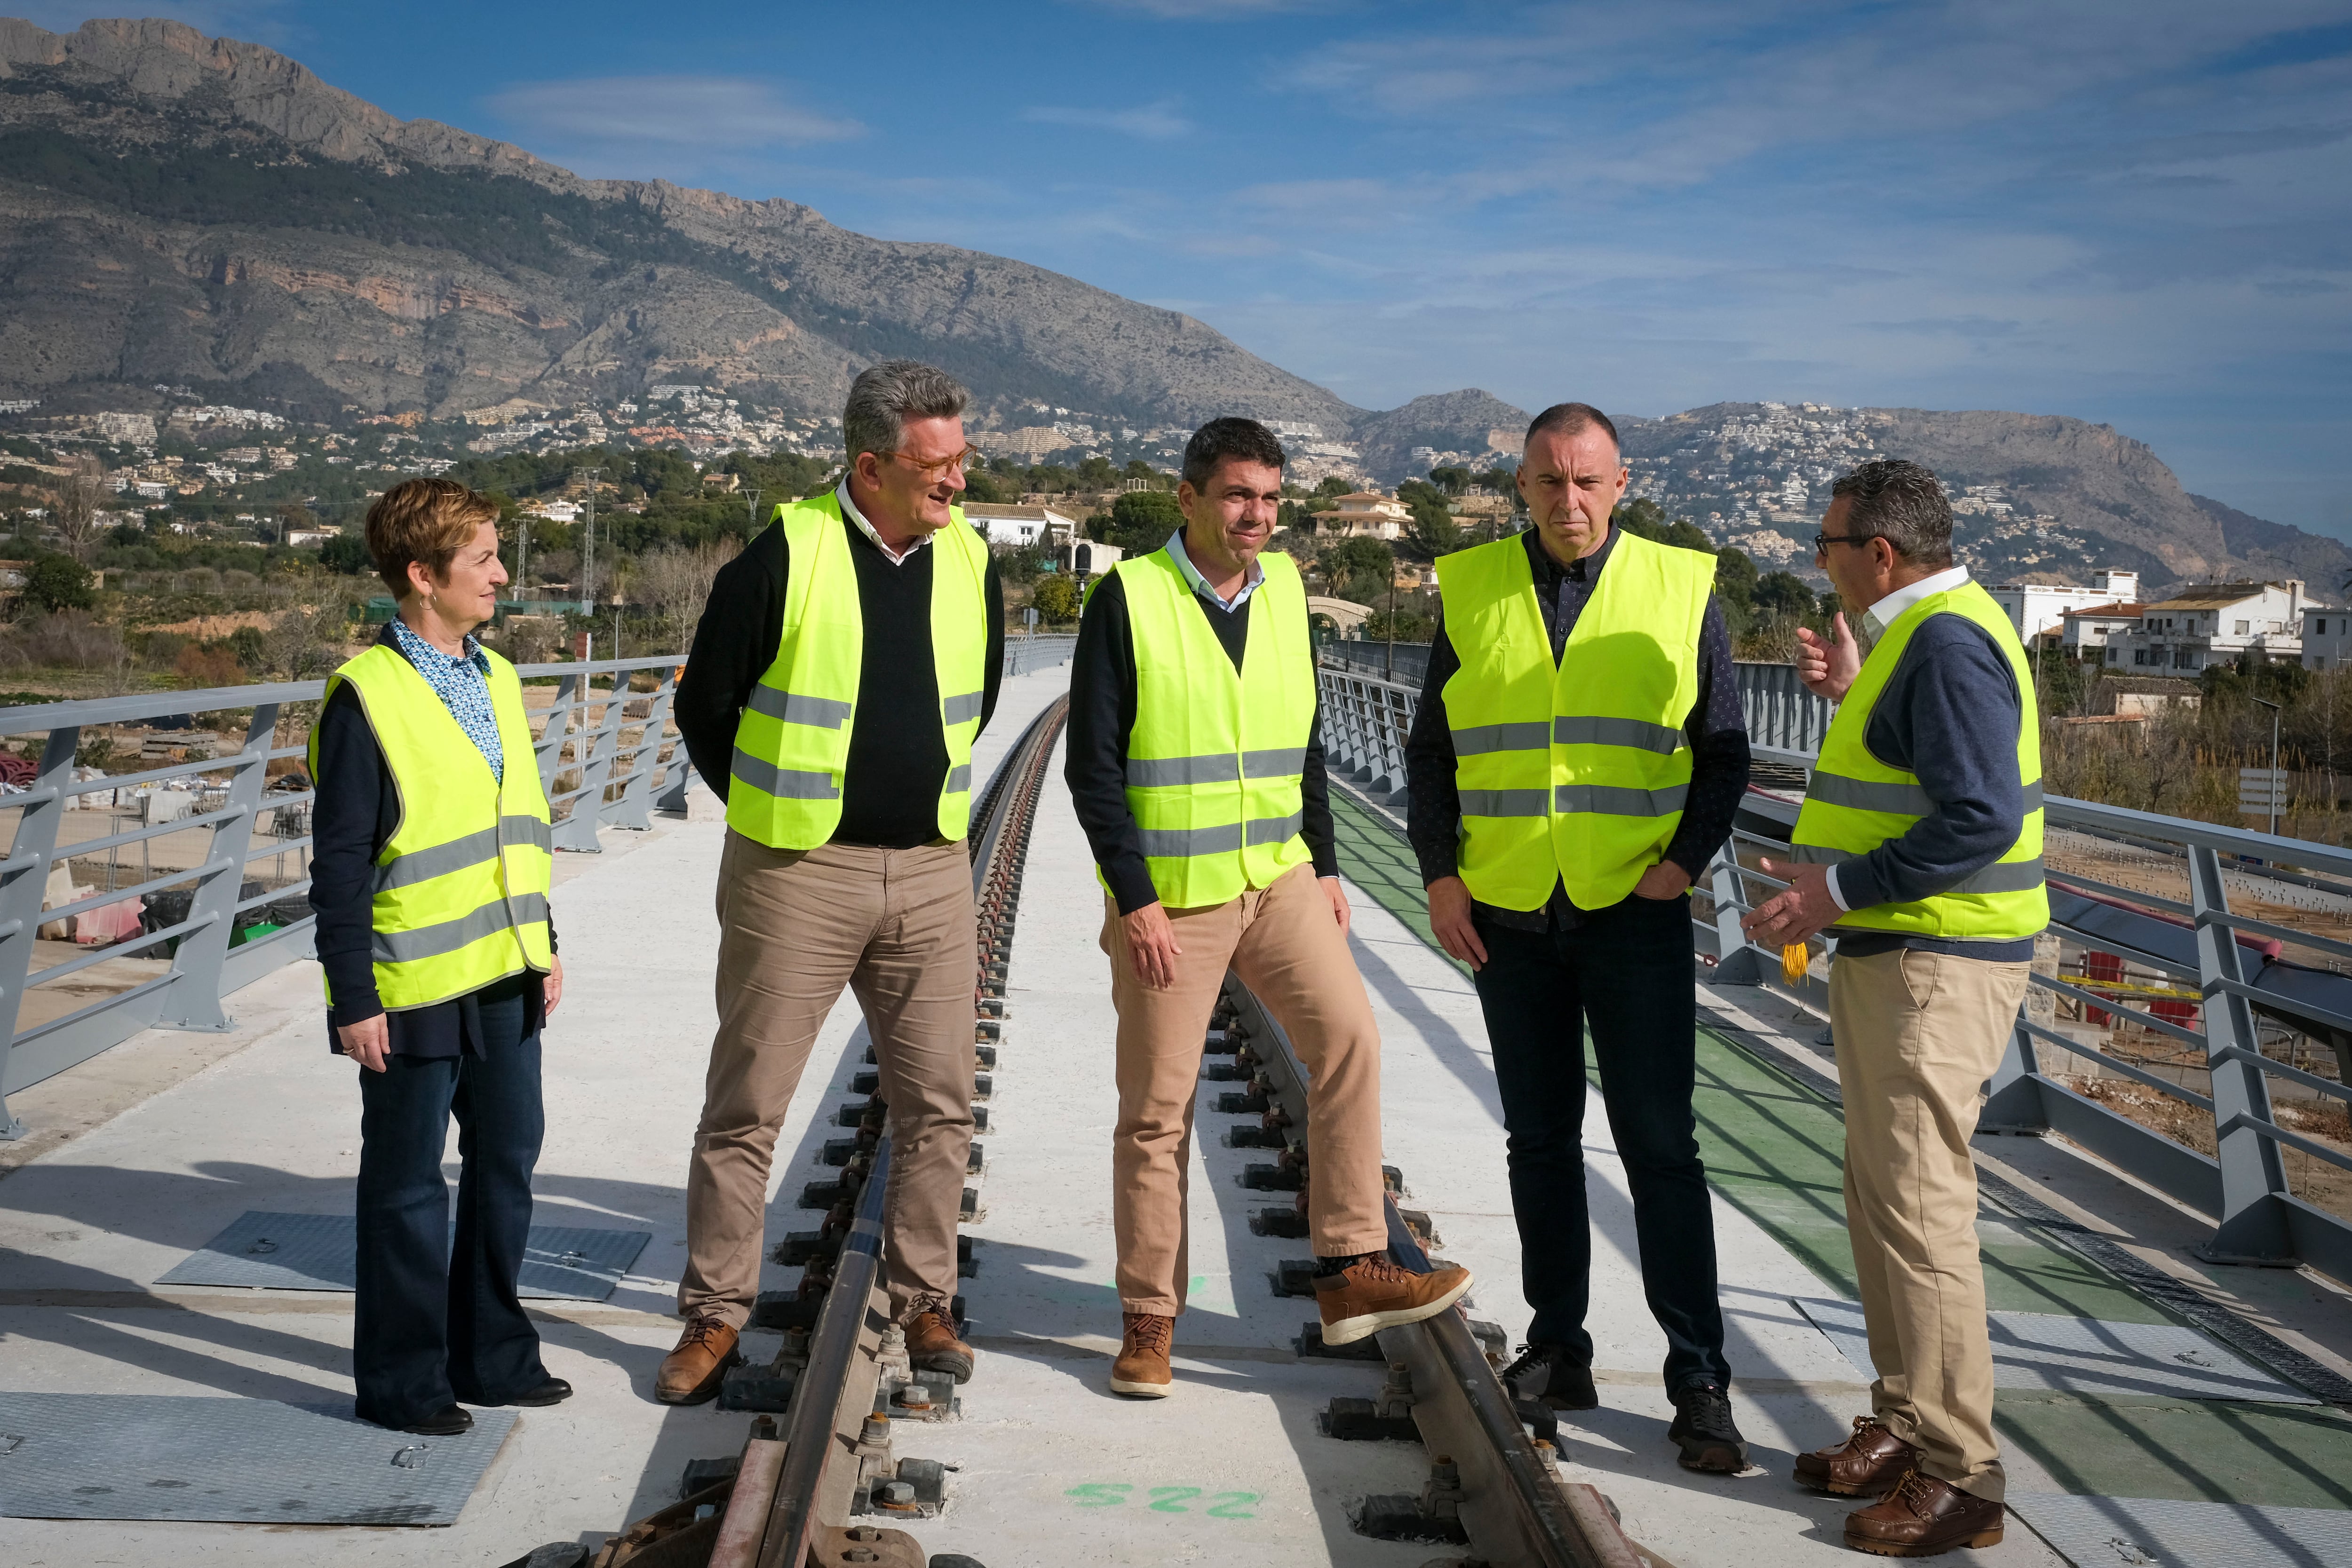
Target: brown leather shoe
932,1344
1372,1294
1923,1516
1141,1369
691,1374
1866,1464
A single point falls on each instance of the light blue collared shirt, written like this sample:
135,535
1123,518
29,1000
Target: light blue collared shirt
1176,553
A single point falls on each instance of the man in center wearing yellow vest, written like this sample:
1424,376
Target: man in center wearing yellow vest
846,660
1575,762
1197,772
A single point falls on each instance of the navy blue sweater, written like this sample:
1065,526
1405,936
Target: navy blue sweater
1950,713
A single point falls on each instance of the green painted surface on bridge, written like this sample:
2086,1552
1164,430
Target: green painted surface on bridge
1774,1148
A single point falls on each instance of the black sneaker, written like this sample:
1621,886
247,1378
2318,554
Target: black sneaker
1704,1430
1547,1375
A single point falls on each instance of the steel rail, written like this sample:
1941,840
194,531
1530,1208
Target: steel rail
829,1402
1517,1510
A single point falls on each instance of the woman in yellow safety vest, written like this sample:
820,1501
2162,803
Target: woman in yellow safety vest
429,875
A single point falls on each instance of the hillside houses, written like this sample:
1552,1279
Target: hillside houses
2214,624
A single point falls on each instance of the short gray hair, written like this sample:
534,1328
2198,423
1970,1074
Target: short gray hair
884,397
1902,503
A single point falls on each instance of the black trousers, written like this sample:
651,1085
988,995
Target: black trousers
1625,973
437,1321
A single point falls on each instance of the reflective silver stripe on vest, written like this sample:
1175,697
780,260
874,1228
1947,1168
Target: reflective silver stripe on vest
516,831
784,783
1632,732
1216,768
960,779
438,860
792,707
1862,795
1505,802
1901,800
432,941
2001,876
961,709
1226,837
1482,739
1613,800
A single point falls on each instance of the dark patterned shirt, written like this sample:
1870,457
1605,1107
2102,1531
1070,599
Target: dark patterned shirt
1716,727
463,684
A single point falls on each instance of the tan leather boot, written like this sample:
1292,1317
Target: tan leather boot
1923,1516
691,1374
1372,1294
1141,1369
932,1344
1866,1464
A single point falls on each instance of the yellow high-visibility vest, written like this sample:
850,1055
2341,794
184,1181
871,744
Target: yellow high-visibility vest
460,896
1572,773
1215,759
1854,802
791,744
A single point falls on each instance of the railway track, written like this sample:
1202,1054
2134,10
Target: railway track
830,1472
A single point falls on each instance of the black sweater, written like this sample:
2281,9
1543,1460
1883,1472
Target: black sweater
897,758
1102,713
356,813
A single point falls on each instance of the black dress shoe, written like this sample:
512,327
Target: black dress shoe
446,1422
547,1391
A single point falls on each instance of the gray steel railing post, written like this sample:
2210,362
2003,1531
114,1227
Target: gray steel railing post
24,882
549,746
593,751
195,1002
1736,962
2013,1093
2253,1226
632,810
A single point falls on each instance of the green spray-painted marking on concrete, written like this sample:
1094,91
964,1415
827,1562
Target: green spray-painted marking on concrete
1375,857
2287,1455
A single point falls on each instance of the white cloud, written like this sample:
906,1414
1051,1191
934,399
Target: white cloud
1150,122
709,113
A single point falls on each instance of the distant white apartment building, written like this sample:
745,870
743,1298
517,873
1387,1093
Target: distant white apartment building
2198,628
1021,525
2327,637
1087,558
1365,514
2037,608
2088,633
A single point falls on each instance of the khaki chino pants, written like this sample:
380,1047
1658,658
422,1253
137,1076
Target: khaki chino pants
896,927
1286,946
1918,1034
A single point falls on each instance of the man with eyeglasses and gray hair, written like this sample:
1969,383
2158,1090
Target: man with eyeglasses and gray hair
1919,849
843,665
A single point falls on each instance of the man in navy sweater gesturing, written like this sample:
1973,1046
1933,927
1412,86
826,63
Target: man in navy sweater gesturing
1920,844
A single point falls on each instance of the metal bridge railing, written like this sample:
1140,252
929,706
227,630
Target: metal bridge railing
212,918
2227,964
1040,651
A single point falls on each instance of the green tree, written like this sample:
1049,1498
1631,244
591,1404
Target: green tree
1333,485
59,582
1783,595
347,554
1098,474
1139,520
1055,598
1452,480
981,485
1734,579
1360,570
1434,530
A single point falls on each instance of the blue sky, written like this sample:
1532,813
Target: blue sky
2130,210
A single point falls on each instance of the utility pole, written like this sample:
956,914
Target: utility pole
2277,784
751,506
587,587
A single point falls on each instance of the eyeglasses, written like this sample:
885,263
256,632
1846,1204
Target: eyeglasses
1821,542
940,469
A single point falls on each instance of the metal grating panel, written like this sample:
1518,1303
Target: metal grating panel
135,1456
2087,1355
319,1252
2139,1532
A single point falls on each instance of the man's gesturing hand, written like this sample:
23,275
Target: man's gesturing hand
1449,919
1828,665
1797,912
1152,944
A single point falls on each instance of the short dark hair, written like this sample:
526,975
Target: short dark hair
1902,503
1229,440
1571,419
426,521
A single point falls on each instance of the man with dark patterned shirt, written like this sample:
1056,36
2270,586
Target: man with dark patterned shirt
1575,763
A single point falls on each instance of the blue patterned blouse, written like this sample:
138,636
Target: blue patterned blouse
462,683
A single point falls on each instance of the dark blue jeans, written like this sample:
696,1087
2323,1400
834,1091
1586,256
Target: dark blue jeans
1625,973
438,1323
